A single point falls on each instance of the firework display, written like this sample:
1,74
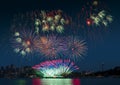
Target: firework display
93,19
23,42
56,47
94,13
75,47
54,35
44,21
50,46
101,18
55,68
51,21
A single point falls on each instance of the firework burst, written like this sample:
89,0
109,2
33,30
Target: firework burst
52,21
101,18
23,42
50,46
55,68
94,13
93,18
42,21
75,48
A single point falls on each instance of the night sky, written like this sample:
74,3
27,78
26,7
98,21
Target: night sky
99,51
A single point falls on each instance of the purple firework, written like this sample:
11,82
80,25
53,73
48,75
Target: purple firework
75,48
50,46
55,68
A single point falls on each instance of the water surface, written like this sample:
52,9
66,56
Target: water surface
61,81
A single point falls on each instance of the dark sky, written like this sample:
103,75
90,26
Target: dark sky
100,51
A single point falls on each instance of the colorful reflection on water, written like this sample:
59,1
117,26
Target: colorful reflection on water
37,81
60,81
56,82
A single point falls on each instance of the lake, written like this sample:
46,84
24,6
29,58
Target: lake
61,81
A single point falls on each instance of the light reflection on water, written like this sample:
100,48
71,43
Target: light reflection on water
60,81
55,82
44,81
